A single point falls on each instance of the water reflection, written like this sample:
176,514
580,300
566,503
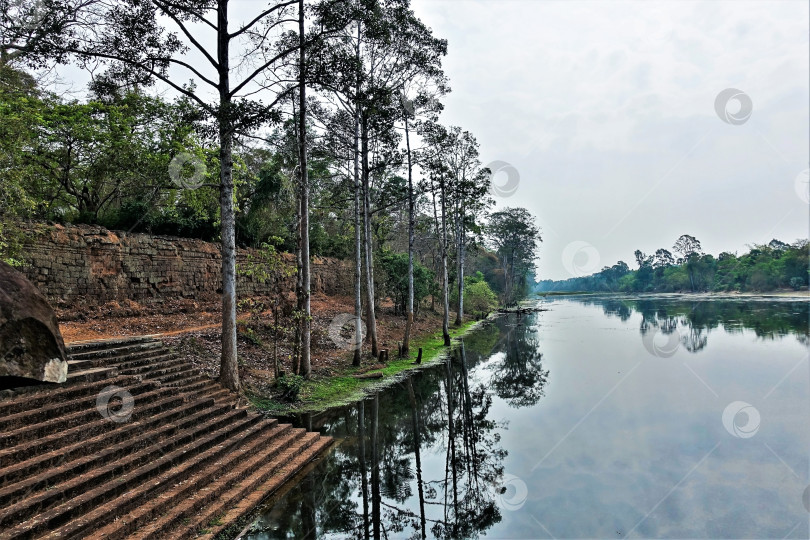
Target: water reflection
423,460
688,322
560,425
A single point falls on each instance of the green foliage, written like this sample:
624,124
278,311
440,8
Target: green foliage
290,386
395,266
478,296
776,265
514,235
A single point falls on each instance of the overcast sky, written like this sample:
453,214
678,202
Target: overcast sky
606,110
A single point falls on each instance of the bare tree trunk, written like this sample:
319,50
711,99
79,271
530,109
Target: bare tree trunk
229,366
371,322
358,307
299,268
406,342
304,307
460,256
445,282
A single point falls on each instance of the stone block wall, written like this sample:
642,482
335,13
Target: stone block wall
91,266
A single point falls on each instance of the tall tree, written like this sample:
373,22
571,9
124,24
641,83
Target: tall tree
438,142
304,298
514,236
366,73
149,40
470,199
690,252
410,107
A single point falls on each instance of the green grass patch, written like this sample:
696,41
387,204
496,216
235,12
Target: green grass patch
320,393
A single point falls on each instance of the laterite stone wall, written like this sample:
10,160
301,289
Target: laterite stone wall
91,266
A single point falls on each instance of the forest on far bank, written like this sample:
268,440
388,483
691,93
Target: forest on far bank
767,267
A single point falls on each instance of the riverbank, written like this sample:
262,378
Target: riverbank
352,384
781,294
192,330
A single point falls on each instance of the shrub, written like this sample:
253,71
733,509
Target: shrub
395,266
796,283
478,295
290,386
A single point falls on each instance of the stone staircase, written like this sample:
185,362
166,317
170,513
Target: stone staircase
137,444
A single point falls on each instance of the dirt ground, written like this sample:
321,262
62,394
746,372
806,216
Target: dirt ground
193,329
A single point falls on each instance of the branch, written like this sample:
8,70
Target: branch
189,36
260,16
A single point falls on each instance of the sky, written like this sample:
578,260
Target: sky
604,116
604,122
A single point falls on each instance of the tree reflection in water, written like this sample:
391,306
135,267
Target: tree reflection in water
422,459
692,320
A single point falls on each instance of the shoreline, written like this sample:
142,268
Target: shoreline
339,389
789,295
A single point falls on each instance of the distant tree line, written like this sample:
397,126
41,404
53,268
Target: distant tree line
686,268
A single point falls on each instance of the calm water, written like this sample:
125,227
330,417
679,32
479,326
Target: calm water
597,418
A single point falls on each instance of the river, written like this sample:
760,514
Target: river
595,418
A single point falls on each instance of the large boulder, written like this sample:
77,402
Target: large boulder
31,345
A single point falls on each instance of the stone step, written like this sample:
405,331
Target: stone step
116,351
124,361
40,396
246,495
60,466
58,409
91,345
141,367
91,374
161,370
146,502
57,439
185,456
188,372
186,381
85,410
54,507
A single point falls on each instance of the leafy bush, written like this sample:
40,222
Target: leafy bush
290,386
796,283
395,266
478,295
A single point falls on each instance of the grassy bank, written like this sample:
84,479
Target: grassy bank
343,387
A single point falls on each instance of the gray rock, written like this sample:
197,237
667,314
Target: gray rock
31,345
